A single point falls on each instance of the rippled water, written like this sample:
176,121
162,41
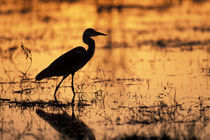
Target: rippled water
148,78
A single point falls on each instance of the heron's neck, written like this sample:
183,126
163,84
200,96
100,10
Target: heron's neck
91,46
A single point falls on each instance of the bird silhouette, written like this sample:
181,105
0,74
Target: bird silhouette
71,61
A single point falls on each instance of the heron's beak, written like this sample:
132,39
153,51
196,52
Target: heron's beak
98,33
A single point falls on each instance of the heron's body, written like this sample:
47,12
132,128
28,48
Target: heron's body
71,61
66,64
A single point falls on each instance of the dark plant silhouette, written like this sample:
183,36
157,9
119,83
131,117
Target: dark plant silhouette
28,56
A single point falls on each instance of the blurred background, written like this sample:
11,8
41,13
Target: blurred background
129,23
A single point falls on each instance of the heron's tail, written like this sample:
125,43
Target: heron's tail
43,74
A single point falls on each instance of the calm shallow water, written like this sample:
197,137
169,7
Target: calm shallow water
148,77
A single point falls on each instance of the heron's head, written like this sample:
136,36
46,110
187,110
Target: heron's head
91,32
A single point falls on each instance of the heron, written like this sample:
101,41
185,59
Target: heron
71,61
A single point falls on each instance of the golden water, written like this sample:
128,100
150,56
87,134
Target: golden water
149,75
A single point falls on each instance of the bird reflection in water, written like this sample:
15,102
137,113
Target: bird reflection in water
69,126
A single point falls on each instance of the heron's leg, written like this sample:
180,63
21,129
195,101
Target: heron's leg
73,115
72,87
64,77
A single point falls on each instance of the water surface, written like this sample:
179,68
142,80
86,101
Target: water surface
148,78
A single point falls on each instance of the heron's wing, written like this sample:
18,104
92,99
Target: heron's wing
69,62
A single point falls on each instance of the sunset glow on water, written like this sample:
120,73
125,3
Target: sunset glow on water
149,77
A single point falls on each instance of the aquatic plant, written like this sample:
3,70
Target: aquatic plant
28,57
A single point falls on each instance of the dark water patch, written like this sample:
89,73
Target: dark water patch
119,6
146,43
7,12
142,137
4,38
178,43
141,32
199,1
163,43
130,84
179,28
9,82
24,104
164,135
102,81
145,122
202,29
82,104
96,80
164,5
4,100
111,45
24,91
128,79
37,37
8,53
11,12
59,1
25,11
46,19
192,43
